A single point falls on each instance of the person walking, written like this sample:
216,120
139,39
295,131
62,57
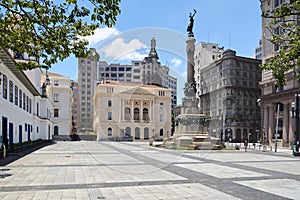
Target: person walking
246,144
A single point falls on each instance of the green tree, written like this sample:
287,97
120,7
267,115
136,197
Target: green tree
285,30
51,32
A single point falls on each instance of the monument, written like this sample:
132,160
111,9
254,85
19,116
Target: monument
190,125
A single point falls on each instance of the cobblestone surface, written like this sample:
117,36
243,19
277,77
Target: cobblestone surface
109,170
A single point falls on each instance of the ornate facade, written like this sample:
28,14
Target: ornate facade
132,110
228,96
276,101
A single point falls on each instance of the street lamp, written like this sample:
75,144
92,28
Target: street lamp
276,132
295,107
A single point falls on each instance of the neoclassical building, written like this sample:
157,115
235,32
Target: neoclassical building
127,109
276,101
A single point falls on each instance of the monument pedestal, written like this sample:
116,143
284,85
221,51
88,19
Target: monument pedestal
191,128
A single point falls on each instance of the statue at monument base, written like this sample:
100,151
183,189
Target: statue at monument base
191,128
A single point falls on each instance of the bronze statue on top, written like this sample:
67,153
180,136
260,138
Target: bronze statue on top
191,24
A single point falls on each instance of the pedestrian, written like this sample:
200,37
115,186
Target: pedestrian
246,144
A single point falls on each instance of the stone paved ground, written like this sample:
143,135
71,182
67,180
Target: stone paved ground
107,170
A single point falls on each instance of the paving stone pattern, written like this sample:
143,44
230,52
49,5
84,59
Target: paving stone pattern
134,170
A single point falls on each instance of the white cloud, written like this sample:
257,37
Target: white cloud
176,62
101,34
118,49
184,74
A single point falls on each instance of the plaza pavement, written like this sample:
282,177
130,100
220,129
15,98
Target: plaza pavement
134,170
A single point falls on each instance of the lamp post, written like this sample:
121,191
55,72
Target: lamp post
296,135
276,133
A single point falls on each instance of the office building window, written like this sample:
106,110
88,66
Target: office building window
109,103
56,112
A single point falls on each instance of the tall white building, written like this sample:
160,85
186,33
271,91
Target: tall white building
132,110
59,93
25,114
87,80
205,54
258,50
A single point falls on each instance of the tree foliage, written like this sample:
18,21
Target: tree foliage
285,31
50,31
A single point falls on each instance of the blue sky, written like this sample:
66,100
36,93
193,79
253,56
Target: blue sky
234,24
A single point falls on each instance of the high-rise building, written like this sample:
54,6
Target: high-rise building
276,101
91,70
205,54
87,81
228,97
258,50
75,106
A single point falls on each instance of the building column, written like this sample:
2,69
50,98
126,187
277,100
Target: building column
265,124
285,128
291,130
153,108
122,110
141,112
271,123
150,112
132,110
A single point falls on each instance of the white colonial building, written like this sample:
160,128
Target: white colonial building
59,93
25,113
132,110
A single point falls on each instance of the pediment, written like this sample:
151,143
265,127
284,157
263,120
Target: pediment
137,91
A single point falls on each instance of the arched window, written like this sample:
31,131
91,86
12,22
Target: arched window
127,114
55,130
136,114
145,114
137,133
146,133
127,131
109,131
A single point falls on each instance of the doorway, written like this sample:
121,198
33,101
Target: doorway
4,132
